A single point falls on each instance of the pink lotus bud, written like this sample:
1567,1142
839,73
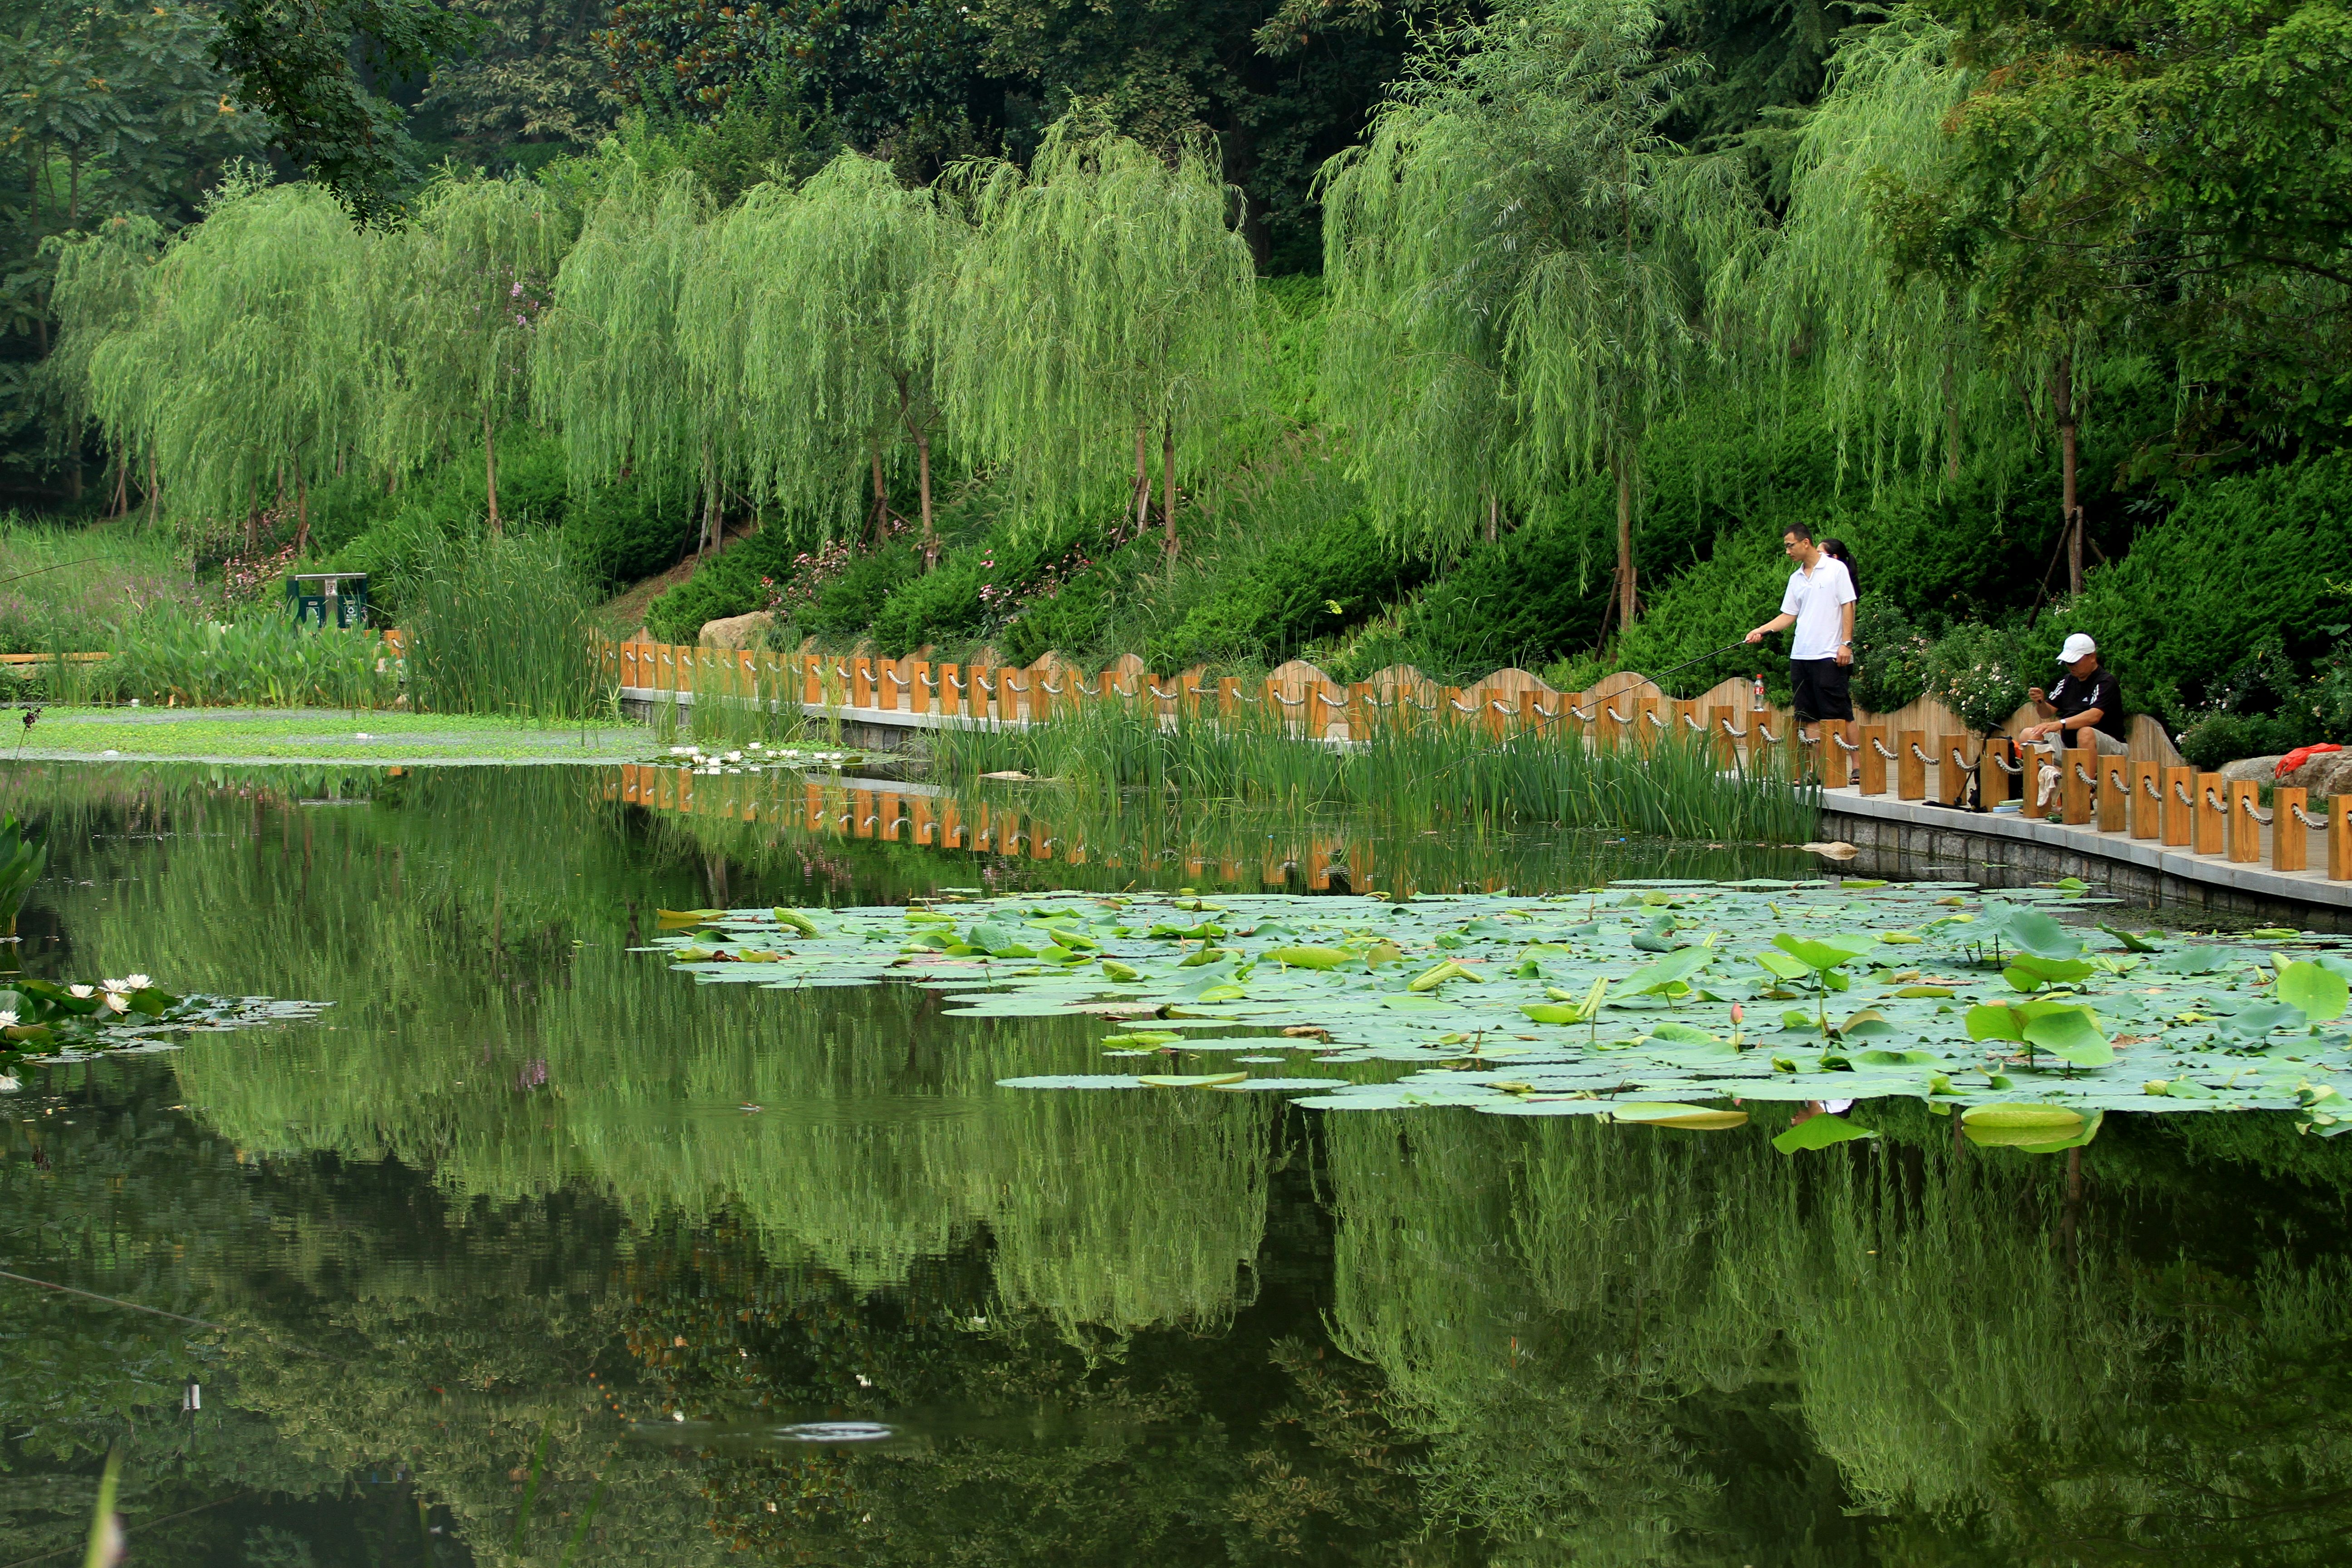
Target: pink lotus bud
1738,1012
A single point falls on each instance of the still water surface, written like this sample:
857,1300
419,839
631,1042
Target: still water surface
533,1251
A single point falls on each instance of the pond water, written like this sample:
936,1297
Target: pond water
532,1249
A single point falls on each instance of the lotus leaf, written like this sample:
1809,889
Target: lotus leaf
2319,994
1820,1133
1309,957
1693,1118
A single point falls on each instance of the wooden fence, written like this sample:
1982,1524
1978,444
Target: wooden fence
2141,798
1923,751
918,815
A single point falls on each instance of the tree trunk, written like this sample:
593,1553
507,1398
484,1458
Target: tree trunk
2068,418
490,469
923,479
922,434
1951,412
301,512
709,486
1167,483
1142,477
1626,602
881,493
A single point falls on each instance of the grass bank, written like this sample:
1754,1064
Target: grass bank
68,734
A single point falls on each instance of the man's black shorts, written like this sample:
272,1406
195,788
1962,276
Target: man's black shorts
1824,689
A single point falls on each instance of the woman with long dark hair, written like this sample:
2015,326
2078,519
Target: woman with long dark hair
1836,550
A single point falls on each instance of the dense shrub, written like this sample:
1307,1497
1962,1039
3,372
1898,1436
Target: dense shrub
1890,655
1982,673
2220,738
727,586
2239,560
613,534
1287,586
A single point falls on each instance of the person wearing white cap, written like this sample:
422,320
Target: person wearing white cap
2085,707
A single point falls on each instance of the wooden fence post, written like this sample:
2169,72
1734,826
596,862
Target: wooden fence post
2180,807
2115,793
2339,836
1994,762
1835,752
2075,782
1874,757
2212,814
1953,769
1229,696
2290,839
1911,765
1608,724
1727,736
2245,828
2147,798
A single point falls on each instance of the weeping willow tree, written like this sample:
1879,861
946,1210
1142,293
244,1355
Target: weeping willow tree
608,365
102,289
1108,296
809,297
1900,353
1518,258
459,294
247,372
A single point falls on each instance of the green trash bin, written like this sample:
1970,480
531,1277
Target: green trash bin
329,598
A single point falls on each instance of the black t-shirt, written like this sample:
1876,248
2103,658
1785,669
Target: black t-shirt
2101,692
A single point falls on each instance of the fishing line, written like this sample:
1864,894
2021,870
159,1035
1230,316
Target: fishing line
128,1526
158,1311
61,566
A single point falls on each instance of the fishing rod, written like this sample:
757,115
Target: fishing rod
58,567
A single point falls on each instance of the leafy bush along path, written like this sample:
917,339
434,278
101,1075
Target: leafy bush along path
1646,995
309,734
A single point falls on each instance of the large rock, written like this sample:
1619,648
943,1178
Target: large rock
2259,769
2330,773
738,631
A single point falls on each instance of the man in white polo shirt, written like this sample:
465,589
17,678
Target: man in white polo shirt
1820,605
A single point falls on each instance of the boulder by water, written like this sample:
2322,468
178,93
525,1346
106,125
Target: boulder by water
738,631
2259,770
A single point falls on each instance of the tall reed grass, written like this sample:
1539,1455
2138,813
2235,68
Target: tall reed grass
59,586
169,652
500,624
1432,772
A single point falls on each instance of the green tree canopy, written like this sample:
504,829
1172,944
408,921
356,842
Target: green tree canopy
1518,259
1108,295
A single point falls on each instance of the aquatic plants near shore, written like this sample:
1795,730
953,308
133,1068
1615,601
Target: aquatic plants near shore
1675,787
1633,1002
40,1019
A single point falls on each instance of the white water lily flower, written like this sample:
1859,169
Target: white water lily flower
8,1084
113,985
734,756
681,750
117,1002
7,1017
137,982
83,991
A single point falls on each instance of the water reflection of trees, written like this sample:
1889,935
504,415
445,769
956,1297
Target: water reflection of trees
511,1184
1608,1334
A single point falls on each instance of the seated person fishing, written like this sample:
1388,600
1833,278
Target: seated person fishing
2085,709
